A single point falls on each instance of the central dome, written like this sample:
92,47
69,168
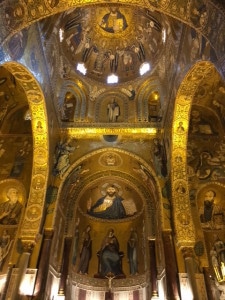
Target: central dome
111,40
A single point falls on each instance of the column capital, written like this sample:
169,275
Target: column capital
187,252
27,245
48,233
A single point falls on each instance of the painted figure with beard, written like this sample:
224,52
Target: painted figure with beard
10,210
208,207
110,260
109,206
114,21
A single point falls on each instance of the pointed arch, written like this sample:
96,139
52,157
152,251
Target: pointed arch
151,86
30,227
185,233
80,107
150,191
101,107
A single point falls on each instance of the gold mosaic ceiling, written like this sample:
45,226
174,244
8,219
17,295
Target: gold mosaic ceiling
110,39
139,34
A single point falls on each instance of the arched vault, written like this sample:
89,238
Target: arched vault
31,227
200,72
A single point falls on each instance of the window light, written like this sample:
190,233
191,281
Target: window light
112,79
81,68
144,68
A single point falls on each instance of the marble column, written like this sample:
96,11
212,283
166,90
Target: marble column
65,266
208,283
170,267
22,265
43,265
190,269
153,268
